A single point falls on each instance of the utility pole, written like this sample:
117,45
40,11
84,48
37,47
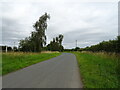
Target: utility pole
76,43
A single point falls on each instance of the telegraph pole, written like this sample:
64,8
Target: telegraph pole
76,43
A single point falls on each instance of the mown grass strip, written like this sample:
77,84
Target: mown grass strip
14,61
98,70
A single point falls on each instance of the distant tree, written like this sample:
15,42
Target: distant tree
37,40
53,40
9,48
107,46
60,39
3,48
15,48
57,39
40,27
56,44
77,48
118,44
25,45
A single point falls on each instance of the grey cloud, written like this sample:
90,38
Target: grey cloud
89,23
12,31
85,38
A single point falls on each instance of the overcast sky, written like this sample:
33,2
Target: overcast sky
87,22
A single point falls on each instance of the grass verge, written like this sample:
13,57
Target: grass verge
98,70
14,61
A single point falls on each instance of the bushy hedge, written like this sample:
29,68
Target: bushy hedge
108,46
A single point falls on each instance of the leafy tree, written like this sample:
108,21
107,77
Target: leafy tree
57,39
40,27
37,39
56,44
15,48
76,49
3,48
9,48
60,39
107,46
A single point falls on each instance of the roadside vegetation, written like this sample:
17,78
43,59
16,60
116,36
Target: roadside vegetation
110,46
13,61
0,63
107,46
98,70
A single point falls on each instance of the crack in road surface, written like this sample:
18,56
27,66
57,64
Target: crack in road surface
59,72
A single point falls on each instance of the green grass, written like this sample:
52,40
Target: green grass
14,61
98,70
0,64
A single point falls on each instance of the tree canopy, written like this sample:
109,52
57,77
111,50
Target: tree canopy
56,44
38,38
108,46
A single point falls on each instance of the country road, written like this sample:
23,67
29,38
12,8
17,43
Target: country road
59,72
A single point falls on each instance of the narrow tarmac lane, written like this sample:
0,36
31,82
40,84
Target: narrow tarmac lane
58,72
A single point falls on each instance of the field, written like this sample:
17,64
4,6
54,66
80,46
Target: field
14,61
98,70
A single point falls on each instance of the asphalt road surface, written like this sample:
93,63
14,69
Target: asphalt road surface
59,72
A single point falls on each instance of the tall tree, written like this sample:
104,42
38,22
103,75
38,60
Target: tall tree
57,39
38,38
60,39
40,27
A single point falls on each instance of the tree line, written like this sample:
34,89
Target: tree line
37,41
9,48
107,46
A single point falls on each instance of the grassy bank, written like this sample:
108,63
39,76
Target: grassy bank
98,70
14,61
0,64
